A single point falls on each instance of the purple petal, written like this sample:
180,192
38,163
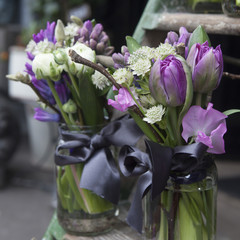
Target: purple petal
44,116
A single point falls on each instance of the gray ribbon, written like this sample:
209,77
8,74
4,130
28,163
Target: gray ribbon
154,168
100,173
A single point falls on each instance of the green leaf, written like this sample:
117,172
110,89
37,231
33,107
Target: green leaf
132,44
144,126
92,105
231,111
199,35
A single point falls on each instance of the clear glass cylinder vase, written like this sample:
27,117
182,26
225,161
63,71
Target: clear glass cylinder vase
231,8
185,210
80,211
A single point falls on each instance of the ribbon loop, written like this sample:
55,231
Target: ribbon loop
100,173
161,162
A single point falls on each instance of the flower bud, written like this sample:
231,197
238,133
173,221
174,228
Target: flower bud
167,82
85,52
44,66
59,31
60,56
70,107
76,20
207,67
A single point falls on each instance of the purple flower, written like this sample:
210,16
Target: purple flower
43,89
44,116
121,59
207,67
174,39
205,126
167,82
62,91
47,33
95,38
122,101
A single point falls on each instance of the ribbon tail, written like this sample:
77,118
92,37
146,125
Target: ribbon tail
135,213
101,176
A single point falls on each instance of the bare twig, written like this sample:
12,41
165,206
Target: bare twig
78,59
231,75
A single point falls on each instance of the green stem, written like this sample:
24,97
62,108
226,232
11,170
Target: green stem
198,100
58,101
74,83
173,125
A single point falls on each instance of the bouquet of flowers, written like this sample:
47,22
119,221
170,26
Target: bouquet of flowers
72,95
167,90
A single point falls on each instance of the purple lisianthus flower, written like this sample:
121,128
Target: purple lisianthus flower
207,67
122,101
44,116
206,126
167,82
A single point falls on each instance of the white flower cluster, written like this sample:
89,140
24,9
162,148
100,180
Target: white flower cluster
123,75
100,81
41,47
154,114
142,59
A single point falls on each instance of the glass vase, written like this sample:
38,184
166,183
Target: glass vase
80,211
185,210
231,8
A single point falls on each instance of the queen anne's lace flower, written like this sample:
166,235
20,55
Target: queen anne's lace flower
100,81
154,114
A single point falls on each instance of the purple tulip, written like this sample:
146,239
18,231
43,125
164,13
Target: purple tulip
205,126
207,67
44,116
122,101
167,82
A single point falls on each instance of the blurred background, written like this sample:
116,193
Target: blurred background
27,192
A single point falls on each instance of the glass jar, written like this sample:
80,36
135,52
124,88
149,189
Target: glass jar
205,6
231,8
80,211
186,209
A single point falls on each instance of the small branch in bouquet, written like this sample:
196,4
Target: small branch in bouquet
231,75
43,100
78,59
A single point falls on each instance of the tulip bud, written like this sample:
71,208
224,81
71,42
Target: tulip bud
44,66
167,82
207,67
